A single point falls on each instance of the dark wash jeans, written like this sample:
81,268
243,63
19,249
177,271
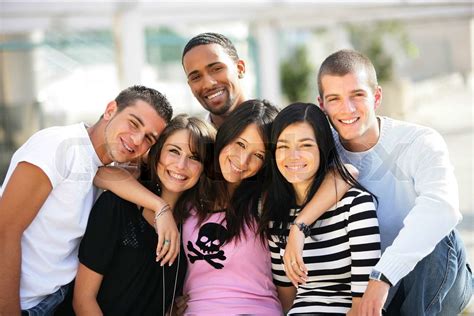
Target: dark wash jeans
441,284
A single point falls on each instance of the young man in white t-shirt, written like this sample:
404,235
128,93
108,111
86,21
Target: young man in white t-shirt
48,193
423,269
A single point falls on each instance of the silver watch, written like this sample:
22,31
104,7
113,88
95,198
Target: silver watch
379,276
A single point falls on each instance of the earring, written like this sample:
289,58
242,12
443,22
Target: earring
158,189
241,75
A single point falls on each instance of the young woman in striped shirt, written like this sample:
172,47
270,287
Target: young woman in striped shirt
343,244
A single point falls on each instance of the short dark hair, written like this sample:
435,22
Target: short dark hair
212,38
346,61
157,100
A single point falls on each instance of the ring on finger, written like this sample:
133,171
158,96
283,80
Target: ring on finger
167,242
293,263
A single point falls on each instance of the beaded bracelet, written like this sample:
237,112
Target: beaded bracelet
163,210
305,229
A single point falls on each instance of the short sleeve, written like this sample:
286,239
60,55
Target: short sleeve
102,233
278,272
41,150
62,153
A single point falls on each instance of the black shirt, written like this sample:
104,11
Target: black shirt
121,245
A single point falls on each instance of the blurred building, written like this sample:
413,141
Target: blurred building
61,62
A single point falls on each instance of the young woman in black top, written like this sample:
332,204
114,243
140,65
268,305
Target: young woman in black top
118,272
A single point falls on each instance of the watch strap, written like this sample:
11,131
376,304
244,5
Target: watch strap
379,276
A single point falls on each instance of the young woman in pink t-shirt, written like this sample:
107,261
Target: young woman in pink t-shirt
229,268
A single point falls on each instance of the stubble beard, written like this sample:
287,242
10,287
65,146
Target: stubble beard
224,109
108,146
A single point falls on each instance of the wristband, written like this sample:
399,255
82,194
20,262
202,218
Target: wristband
305,229
162,211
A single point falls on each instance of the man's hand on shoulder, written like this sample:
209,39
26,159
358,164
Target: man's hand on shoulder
374,298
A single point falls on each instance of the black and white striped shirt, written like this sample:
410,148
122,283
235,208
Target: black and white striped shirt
343,247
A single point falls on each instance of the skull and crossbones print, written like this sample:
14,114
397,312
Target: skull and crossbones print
210,239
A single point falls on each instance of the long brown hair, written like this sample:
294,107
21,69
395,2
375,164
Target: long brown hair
202,137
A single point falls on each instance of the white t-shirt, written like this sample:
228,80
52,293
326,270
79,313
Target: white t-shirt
50,243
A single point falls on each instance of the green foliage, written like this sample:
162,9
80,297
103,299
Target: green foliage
370,39
163,46
295,72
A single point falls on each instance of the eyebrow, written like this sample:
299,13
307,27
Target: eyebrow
213,64
192,73
207,66
299,140
138,119
152,134
331,95
180,149
336,95
243,139
173,145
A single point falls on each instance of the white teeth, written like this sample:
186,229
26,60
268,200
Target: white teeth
177,176
212,96
235,168
127,148
295,167
349,121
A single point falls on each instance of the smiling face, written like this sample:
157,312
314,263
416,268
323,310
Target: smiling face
350,102
243,157
213,77
179,168
297,156
130,132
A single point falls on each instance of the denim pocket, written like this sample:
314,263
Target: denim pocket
451,240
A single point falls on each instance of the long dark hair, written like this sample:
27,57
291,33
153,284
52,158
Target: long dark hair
202,137
281,195
242,205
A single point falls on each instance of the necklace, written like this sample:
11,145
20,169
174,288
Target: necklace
175,279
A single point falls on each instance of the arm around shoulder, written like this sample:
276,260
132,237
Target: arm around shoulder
330,191
124,184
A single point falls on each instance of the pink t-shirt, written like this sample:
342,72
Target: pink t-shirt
229,279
